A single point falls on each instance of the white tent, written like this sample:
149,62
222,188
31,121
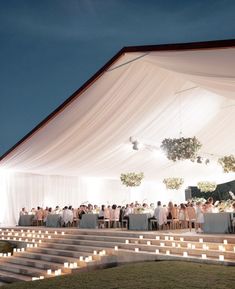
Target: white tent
78,153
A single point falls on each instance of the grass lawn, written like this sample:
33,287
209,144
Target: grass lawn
148,275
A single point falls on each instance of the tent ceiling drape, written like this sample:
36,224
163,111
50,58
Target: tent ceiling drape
151,96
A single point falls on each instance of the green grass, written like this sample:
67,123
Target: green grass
146,275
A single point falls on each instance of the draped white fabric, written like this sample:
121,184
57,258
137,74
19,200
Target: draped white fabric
148,95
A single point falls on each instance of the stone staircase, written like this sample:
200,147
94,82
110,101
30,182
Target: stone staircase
44,253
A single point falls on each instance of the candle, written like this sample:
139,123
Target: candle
46,232
136,249
225,242
66,265
14,250
127,241
204,247
141,237
81,258
55,232
178,245
167,252
71,265
41,277
162,244
116,248
221,257
86,259
148,243
157,238
56,273
181,239
22,249
193,246
204,256
172,238
185,254
49,237
166,238
18,250
62,233
189,245
200,240
173,244
34,278
157,251
35,246
75,265
40,241
90,258
95,252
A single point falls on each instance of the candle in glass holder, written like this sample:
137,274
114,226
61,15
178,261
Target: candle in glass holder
221,257
116,248
200,240
148,243
141,237
204,256
167,252
181,239
127,241
157,251
136,249
225,242
157,238
185,254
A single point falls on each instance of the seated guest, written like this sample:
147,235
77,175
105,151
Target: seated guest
57,210
67,216
23,212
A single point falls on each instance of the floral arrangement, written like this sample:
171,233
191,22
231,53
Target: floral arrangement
206,186
132,179
181,148
228,163
173,183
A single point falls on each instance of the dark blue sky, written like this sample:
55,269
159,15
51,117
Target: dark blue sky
49,48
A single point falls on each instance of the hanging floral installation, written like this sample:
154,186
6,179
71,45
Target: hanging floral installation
228,163
206,186
181,148
173,183
132,179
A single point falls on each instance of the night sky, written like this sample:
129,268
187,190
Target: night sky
49,48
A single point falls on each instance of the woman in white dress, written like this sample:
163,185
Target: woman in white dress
199,217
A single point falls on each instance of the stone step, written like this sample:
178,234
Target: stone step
21,269
35,263
9,277
63,253
46,257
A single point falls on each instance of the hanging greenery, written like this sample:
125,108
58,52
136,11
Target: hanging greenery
206,186
181,148
228,163
132,179
173,183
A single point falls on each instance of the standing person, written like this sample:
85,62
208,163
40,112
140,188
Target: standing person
182,216
160,215
199,217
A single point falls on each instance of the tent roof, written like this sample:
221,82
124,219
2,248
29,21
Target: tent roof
150,92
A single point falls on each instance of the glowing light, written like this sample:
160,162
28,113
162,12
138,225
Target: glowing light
148,243
127,242
136,249
116,248
141,237
221,257
181,239
204,256
157,238
185,254
200,240
168,252
157,251
225,242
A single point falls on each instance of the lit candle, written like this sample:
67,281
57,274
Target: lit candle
90,258
49,237
41,277
225,242
157,251
59,271
204,256
116,248
20,239
204,246
39,231
22,250
189,245
104,252
162,244
178,245
221,257
172,238
46,232
71,265
34,278
66,265
157,238
136,249
141,237
166,238
55,232
127,241
181,239
62,233
185,254
35,246
173,244
75,265
86,259
56,273
33,231
18,250
193,246
167,252
14,250
200,240
95,252
9,254
40,241
81,258
148,243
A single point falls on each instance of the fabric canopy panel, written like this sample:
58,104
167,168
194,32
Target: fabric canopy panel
147,95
